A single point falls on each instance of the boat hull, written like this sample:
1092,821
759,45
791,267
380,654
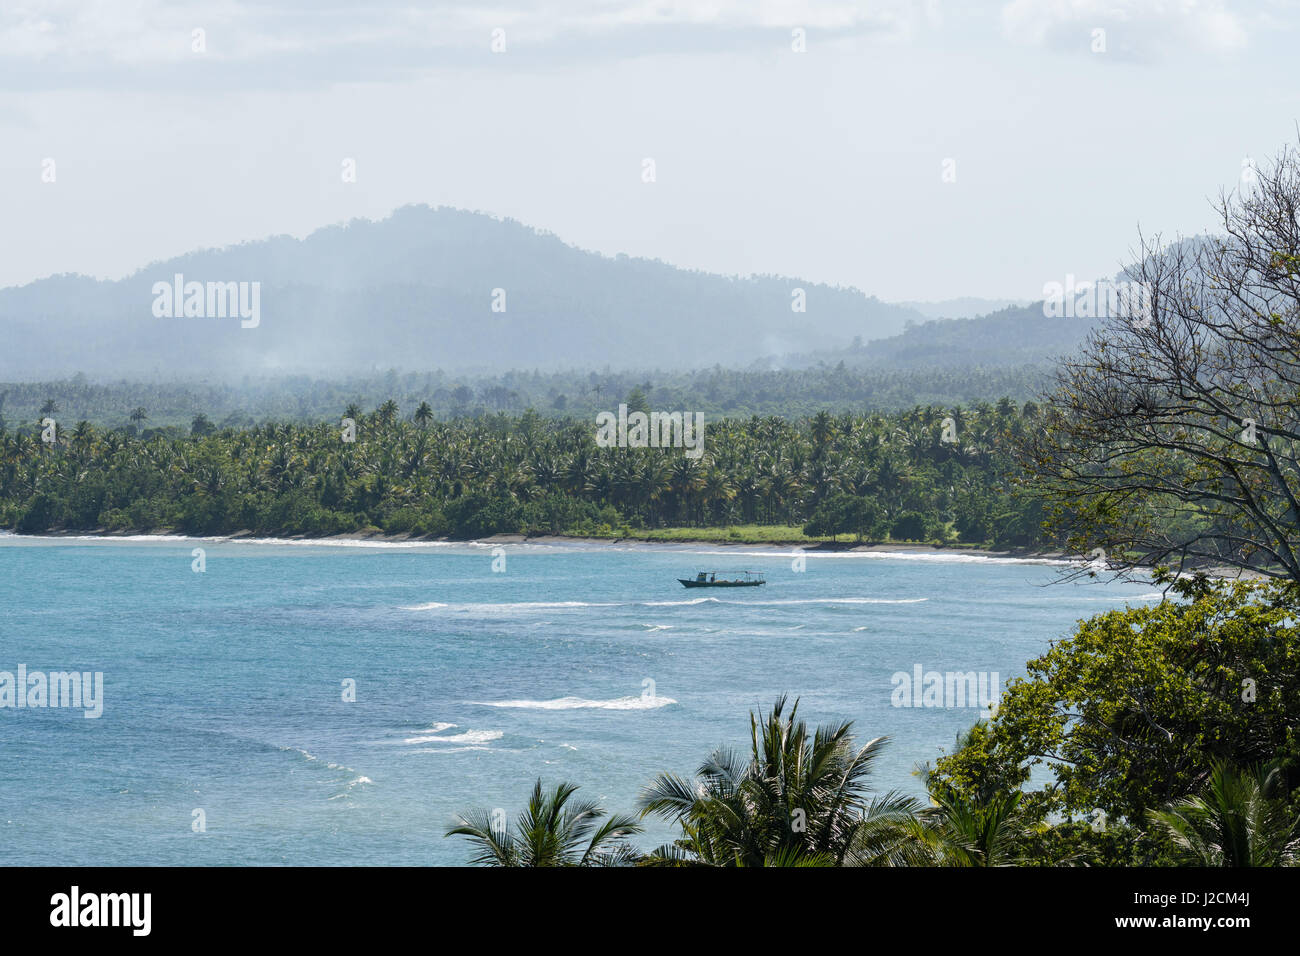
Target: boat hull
720,584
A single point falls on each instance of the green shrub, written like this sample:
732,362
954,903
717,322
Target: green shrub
478,516
39,515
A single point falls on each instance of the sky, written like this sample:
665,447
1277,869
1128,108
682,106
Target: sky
915,150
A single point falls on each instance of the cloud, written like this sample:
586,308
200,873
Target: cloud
1135,29
50,44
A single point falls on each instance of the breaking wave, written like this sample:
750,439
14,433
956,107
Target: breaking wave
581,703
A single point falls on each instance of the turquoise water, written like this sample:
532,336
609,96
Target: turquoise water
223,690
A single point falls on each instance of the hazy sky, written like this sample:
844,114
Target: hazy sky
826,164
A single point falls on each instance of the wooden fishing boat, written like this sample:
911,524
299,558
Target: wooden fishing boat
709,579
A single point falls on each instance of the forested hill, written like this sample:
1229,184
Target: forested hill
1014,336
425,288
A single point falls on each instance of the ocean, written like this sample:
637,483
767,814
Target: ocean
338,703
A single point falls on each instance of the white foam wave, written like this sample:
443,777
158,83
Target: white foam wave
437,727
537,604
580,703
226,539
1153,596
514,606
342,543
946,557
468,737
568,605
313,757
841,600
781,601
689,601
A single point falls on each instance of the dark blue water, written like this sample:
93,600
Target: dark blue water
224,690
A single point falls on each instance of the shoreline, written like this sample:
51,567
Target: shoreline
810,547
901,547
689,545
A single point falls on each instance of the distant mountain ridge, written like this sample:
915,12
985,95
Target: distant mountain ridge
417,290
1016,335
964,307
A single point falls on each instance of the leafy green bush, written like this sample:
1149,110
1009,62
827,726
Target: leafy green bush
1132,710
478,515
426,521
912,526
841,513
39,515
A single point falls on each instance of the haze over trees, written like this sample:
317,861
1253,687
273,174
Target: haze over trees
578,395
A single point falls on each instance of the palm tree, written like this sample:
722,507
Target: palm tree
1240,819
718,491
822,427
386,413
423,415
551,832
964,830
797,798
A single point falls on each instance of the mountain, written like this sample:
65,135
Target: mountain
966,307
416,290
1019,335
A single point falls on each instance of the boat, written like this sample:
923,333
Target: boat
709,579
